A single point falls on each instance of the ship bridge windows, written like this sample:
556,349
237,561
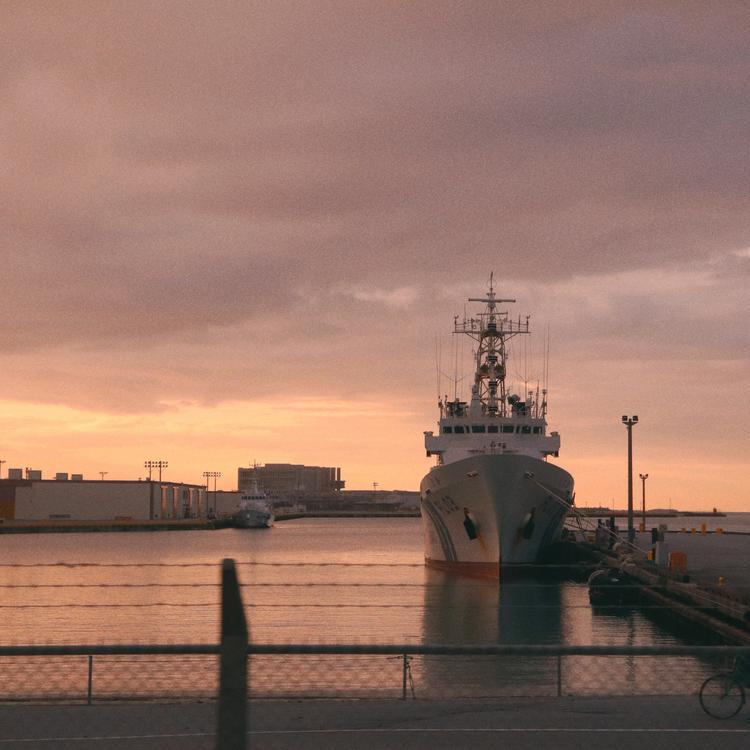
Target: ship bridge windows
537,430
477,428
447,429
508,428
492,428
526,429
459,429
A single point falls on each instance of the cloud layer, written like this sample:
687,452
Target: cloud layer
225,203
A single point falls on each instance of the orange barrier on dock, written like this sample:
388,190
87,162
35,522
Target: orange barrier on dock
678,561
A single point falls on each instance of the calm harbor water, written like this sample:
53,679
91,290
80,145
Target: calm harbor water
310,581
307,580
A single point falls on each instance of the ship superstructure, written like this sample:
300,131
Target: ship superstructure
492,495
255,509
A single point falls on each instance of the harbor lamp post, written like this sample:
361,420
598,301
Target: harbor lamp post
629,422
644,477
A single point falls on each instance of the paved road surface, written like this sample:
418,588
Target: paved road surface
526,724
711,556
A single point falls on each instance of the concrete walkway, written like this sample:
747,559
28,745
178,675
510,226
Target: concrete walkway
622,723
711,556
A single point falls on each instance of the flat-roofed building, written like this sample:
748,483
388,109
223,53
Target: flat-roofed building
89,500
279,480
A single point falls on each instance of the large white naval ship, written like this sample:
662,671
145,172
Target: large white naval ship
492,499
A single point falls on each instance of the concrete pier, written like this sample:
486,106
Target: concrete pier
711,556
715,589
62,526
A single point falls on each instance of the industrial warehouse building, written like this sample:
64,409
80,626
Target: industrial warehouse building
222,503
61,499
278,480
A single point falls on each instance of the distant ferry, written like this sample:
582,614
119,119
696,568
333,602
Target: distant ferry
492,499
255,509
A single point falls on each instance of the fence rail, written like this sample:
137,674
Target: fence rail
373,649
121,672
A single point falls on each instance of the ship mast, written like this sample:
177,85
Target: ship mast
491,330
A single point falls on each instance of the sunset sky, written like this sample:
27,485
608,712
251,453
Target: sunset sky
234,231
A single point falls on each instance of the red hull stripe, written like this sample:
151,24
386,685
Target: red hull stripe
474,569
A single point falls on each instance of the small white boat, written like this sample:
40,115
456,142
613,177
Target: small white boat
255,509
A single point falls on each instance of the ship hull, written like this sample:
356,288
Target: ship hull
251,518
486,512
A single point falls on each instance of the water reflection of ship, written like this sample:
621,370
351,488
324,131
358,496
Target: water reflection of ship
471,612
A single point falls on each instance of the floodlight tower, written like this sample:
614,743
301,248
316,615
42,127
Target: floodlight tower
155,465
644,477
629,422
212,475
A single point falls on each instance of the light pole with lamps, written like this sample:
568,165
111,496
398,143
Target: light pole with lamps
155,465
644,477
104,474
629,422
212,475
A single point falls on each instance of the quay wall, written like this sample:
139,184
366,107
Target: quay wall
713,590
68,526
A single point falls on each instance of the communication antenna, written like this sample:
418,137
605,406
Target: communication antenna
463,363
455,363
437,364
546,358
525,368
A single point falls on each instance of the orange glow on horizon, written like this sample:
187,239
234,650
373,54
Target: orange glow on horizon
369,441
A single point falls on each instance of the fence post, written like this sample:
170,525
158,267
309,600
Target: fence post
231,718
403,676
90,690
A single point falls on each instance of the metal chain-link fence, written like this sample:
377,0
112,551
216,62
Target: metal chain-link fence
166,694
